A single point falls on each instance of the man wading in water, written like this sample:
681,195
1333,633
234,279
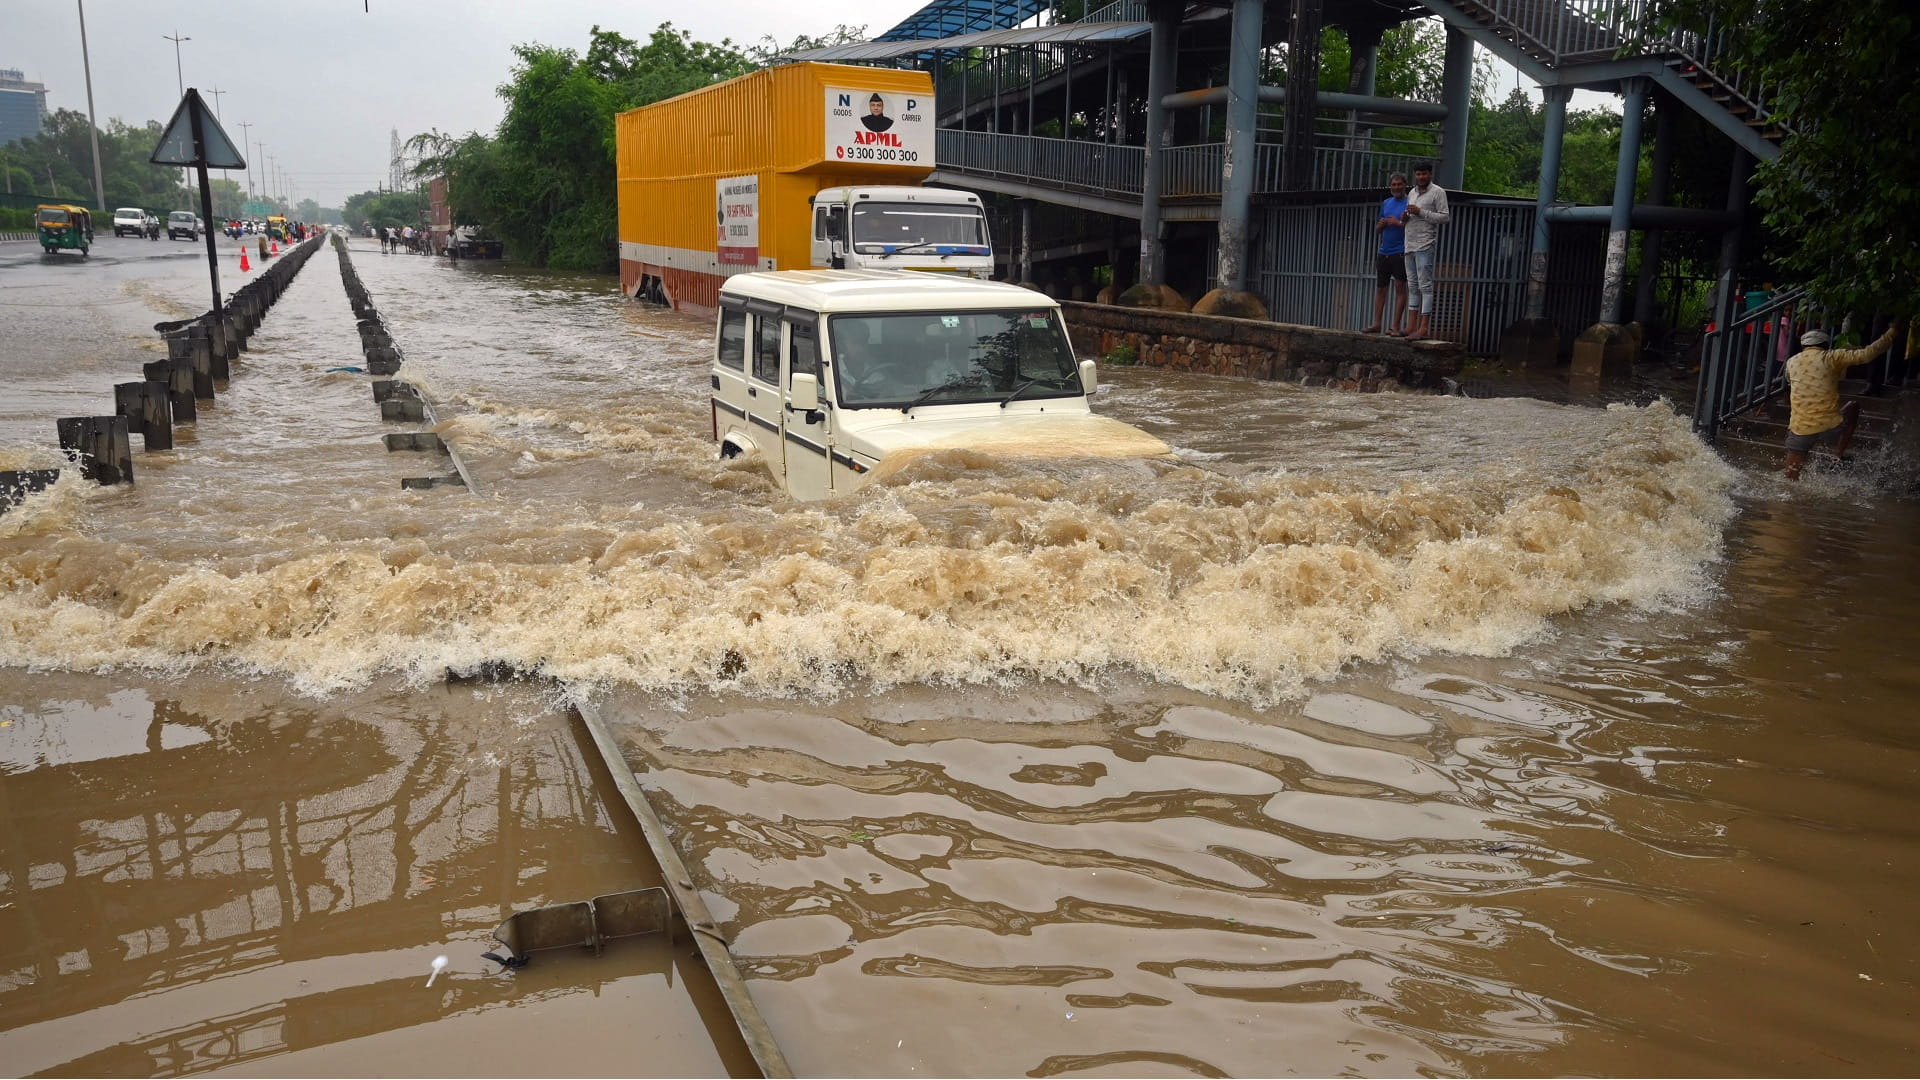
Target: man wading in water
1814,373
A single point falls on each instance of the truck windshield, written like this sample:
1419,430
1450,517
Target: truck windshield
934,358
928,227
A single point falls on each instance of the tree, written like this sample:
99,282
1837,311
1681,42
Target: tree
544,182
1840,199
384,208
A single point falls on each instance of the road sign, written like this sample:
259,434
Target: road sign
194,137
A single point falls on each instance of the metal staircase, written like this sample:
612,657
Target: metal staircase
1577,42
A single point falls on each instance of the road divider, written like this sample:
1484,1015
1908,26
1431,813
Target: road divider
400,402
200,352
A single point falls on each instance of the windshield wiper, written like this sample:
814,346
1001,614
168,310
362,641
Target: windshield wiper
911,247
1017,391
950,384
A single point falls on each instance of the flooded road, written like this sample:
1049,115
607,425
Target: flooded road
1376,734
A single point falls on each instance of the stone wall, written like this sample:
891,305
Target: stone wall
1262,350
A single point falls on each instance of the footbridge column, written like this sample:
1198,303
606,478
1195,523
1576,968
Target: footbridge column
1533,341
1606,347
1162,46
1456,93
1626,171
1230,296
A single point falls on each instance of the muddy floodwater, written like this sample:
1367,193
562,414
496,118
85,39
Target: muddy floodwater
1370,734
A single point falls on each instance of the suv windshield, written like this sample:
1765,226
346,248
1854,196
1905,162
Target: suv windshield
931,227
181,216
934,358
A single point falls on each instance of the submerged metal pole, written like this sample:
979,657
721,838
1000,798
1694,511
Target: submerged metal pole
1554,104
206,201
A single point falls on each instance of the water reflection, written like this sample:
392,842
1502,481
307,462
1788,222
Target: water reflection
211,878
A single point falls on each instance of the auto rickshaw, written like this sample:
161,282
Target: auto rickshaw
64,227
277,228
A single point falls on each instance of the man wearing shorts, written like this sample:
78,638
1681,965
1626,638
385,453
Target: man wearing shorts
1390,262
1814,373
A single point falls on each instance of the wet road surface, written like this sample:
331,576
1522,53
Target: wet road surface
1378,734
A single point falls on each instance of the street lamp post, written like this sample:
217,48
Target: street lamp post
246,130
179,81
93,128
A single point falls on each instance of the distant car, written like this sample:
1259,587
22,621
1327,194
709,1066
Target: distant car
183,225
130,221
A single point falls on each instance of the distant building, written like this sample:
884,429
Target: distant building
23,106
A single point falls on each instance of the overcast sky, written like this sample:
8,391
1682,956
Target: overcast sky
324,82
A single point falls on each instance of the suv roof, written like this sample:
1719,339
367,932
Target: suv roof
842,291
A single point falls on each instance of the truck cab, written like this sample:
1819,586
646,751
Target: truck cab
831,377
898,227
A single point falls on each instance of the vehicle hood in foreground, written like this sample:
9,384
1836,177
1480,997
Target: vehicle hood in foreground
1016,435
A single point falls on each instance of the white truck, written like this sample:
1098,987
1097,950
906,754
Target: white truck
899,227
832,376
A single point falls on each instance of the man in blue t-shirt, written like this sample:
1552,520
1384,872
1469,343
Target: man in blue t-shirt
1390,263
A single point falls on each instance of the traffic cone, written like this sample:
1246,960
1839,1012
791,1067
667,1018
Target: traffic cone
276,247
244,267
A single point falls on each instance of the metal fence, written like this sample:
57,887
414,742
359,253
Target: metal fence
1743,364
1315,266
1191,170
1069,164
1120,11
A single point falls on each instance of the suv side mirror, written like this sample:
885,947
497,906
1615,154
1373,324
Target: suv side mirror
1089,376
804,394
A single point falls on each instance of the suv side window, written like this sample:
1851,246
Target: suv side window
733,340
803,352
766,349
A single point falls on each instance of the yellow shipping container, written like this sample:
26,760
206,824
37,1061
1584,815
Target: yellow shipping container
715,182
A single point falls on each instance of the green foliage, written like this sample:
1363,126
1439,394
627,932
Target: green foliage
384,208
58,164
1123,355
544,181
1840,199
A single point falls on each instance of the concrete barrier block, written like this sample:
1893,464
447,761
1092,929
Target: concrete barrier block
415,440
100,444
403,409
17,484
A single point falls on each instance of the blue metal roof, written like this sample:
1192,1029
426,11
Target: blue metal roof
951,18
1103,33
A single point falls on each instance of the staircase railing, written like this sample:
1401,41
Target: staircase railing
1743,363
1563,32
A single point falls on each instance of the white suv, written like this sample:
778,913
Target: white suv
130,221
183,225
